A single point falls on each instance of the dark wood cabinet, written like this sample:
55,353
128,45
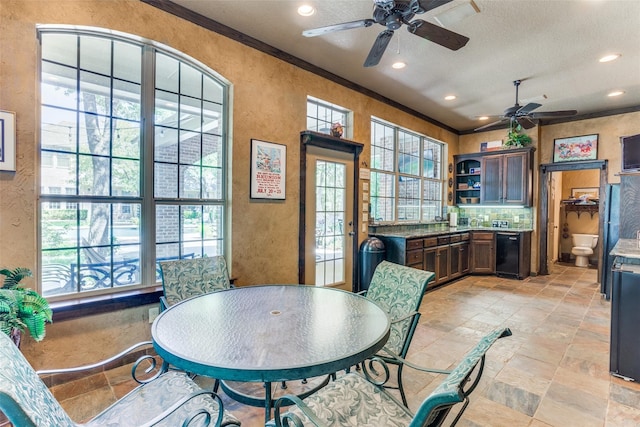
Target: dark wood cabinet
507,178
495,178
446,255
483,256
459,255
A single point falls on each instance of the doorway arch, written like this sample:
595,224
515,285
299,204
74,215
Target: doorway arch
545,177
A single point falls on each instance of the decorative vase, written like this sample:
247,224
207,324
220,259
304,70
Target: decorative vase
336,130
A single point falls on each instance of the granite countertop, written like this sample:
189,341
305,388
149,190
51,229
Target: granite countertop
411,234
628,248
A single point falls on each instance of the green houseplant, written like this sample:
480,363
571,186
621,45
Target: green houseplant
21,308
515,137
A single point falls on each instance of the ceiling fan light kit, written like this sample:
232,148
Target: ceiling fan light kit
393,15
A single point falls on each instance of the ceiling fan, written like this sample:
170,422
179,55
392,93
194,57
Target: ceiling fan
524,116
392,15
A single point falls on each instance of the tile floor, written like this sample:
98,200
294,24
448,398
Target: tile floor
553,371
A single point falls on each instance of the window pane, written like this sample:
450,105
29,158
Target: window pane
95,175
166,73
95,93
95,54
58,129
165,180
61,48
190,81
58,86
127,139
212,90
126,65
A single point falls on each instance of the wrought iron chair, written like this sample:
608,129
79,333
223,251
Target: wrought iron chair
399,291
163,398
185,278
356,400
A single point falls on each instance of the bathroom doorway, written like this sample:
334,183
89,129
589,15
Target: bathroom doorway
551,222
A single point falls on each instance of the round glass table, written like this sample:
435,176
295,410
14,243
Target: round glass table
270,333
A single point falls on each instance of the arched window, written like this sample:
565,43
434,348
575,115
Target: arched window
133,137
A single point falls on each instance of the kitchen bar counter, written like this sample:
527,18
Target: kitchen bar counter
627,248
411,234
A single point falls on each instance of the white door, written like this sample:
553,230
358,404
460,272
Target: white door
329,218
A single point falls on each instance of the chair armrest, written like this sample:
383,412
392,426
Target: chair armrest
287,400
194,413
405,317
151,359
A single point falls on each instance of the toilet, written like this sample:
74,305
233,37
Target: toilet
583,245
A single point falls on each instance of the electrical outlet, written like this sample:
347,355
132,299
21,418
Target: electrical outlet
516,218
153,313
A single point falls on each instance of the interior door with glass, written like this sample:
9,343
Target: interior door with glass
329,218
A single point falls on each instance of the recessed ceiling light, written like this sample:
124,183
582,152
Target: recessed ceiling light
609,58
306,10
450,97
483,118
398,65
615,93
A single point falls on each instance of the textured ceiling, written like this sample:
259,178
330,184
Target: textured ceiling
553,46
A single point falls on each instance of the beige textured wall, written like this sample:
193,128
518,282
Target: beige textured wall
268,103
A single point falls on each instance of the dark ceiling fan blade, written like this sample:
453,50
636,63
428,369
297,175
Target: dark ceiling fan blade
552,114
497,124
422,6
527,109
437,34
525,122
338,27
378,48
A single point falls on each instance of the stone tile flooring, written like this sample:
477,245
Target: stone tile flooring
553,371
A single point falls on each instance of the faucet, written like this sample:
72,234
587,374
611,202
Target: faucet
478,222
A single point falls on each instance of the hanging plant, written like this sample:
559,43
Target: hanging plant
515,137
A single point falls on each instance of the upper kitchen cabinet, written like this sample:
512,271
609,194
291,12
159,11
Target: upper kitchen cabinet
495,177
467,178
507,177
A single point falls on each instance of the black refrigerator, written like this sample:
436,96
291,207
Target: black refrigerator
610,235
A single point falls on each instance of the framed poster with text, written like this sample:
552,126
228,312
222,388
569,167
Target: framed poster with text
268,170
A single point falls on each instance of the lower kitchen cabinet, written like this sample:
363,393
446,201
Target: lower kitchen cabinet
483,256
459,254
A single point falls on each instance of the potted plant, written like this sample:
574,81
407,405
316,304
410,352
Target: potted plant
21,308
515,137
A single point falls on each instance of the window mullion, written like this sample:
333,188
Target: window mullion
148,225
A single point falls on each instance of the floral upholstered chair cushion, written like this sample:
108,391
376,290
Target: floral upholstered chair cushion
185,278
27,402
352,401
399,290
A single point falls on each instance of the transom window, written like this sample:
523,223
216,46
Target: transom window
133,161
321,115
406,175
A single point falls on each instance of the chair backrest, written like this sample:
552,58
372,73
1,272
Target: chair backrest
456,388
399,291
185,278
24,398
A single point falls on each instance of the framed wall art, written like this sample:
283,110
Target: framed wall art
575,148
268,170
7,141
589,192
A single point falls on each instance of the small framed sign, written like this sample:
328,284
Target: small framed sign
7,141
268,170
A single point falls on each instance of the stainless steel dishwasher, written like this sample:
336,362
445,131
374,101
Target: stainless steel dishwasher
508,254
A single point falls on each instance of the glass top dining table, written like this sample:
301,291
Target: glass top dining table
270,333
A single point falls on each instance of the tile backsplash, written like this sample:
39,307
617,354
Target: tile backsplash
487,216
